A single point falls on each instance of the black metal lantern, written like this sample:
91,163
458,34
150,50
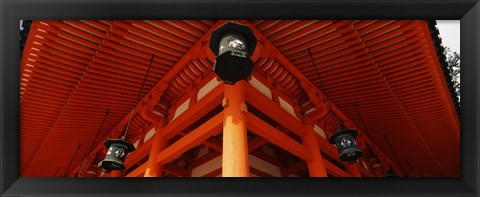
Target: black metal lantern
233,44
346,145
117,151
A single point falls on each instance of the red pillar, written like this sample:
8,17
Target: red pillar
316,167
235,145
153,169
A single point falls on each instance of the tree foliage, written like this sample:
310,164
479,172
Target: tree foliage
453,60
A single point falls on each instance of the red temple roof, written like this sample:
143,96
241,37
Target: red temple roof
73,71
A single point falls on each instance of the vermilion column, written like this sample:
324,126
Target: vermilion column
159,143
316,167
353,169
235,145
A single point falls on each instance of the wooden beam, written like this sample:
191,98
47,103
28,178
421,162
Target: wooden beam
334,170
277,137
205,105
202,107
256,142
327,148
138,172
273,110
204,159
137,155
175,170
295,167
192,139
265,157
212,142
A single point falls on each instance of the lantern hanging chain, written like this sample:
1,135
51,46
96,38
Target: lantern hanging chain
410,167
93,144
321,82
369,137
138,97
58,168
323,88
78,147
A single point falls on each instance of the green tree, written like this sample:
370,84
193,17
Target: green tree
453,61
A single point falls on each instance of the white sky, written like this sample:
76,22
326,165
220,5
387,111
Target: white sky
450,33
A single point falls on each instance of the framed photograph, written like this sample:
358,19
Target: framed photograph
306,98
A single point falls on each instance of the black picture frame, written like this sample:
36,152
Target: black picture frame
468,11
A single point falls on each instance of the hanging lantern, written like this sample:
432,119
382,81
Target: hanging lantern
117,151
346,145
233,45
119,148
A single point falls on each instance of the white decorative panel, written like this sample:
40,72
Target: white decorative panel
264,166
136,144
310,110
287,107
207,167
182,108
207,88
149,135
319,131
260,87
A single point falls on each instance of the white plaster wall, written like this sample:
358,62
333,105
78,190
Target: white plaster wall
136,144
182,108
319,131
264,166
207,88
149,135
261,87
287,107
207,167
